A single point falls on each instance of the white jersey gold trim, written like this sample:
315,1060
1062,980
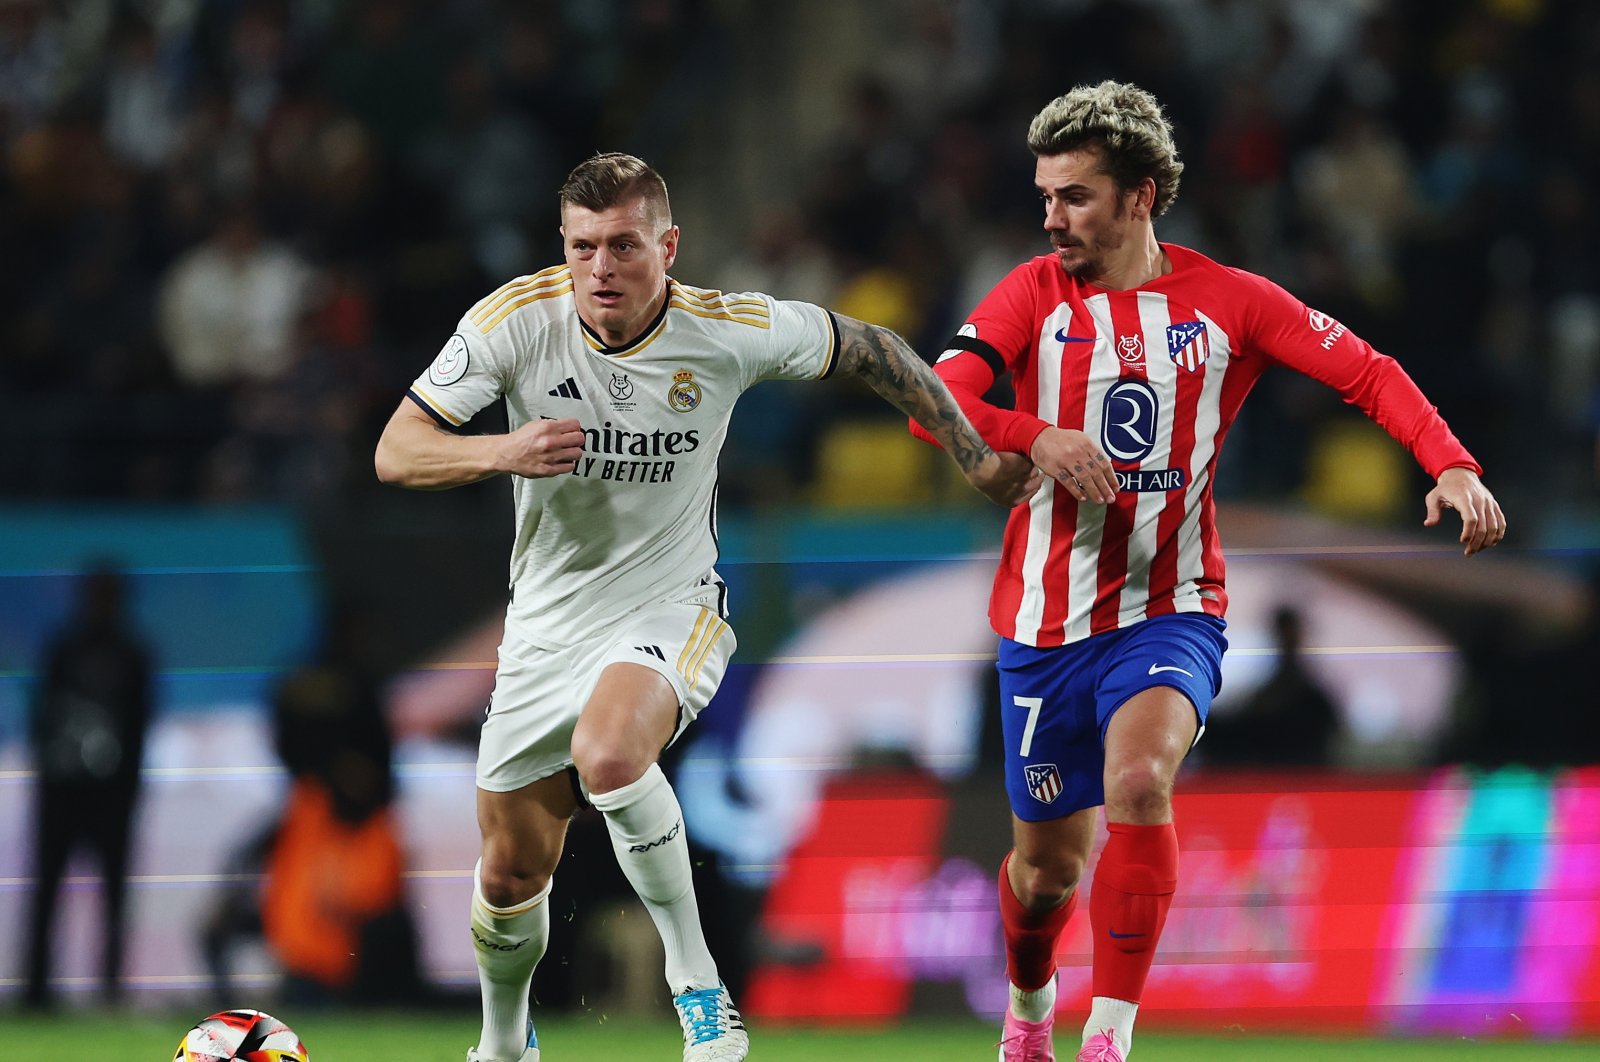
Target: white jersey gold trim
555,276
635,522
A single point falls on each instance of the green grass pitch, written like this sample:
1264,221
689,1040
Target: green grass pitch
87,1036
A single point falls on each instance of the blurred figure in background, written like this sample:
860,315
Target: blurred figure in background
330,902
332,905
1289,720
88,733
229,306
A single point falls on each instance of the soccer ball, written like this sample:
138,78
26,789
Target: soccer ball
242,1035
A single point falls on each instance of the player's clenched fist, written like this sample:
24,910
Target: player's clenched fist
1076,462
542,448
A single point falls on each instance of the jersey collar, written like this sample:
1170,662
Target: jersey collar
599,346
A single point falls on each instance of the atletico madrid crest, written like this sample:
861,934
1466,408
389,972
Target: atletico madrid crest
1044,781
1189,344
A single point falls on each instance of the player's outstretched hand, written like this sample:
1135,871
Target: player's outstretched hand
1482,523
1006,478
1075,461
542,448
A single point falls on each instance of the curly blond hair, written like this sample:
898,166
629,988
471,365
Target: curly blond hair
1125,124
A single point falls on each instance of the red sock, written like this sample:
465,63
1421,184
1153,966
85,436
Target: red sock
1030,938
1133,887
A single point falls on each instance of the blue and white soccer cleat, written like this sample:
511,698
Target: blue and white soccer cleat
712,1028
530,1055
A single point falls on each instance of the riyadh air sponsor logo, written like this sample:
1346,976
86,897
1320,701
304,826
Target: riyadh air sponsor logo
1321,322
451,364
1152,480
490,945
1044,781
1188,344
1130,348
1128,420
659,841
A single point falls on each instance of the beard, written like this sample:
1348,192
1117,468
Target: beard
1084,268
1092,262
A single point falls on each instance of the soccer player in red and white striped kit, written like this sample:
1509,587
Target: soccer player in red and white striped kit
1129,359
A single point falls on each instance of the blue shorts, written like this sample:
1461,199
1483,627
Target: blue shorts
1055,703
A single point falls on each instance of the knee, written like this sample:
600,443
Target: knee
507,877
604,767
1044,881
1139,789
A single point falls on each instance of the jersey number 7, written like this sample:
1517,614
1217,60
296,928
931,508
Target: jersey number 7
1032,704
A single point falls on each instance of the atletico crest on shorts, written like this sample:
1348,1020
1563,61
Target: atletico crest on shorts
1044,781
1188,344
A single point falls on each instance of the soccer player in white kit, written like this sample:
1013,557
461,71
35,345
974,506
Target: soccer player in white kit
618,383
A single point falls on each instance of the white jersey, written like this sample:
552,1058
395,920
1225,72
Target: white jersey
636,520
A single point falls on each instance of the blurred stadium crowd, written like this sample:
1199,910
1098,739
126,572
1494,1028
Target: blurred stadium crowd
236,229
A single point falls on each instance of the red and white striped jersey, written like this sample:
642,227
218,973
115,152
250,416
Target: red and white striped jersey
1156,374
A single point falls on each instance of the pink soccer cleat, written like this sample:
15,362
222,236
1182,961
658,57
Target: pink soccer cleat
1100,1048
1026,1041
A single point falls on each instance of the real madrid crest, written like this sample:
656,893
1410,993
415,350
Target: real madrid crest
684,394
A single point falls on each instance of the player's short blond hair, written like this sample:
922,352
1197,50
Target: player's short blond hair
611,179
1125,124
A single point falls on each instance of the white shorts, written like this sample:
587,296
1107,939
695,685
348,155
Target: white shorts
539,692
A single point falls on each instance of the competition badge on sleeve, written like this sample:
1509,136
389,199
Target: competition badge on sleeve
451,364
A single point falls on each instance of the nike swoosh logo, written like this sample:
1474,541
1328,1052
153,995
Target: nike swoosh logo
1062,337
1156,669
1123,936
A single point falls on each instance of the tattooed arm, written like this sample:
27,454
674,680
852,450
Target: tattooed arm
891,368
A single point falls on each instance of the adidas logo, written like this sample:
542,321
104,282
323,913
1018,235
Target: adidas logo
567,388
652,650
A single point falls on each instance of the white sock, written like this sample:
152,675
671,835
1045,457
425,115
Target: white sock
646,826
1116,1015
1036,1005
508,942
